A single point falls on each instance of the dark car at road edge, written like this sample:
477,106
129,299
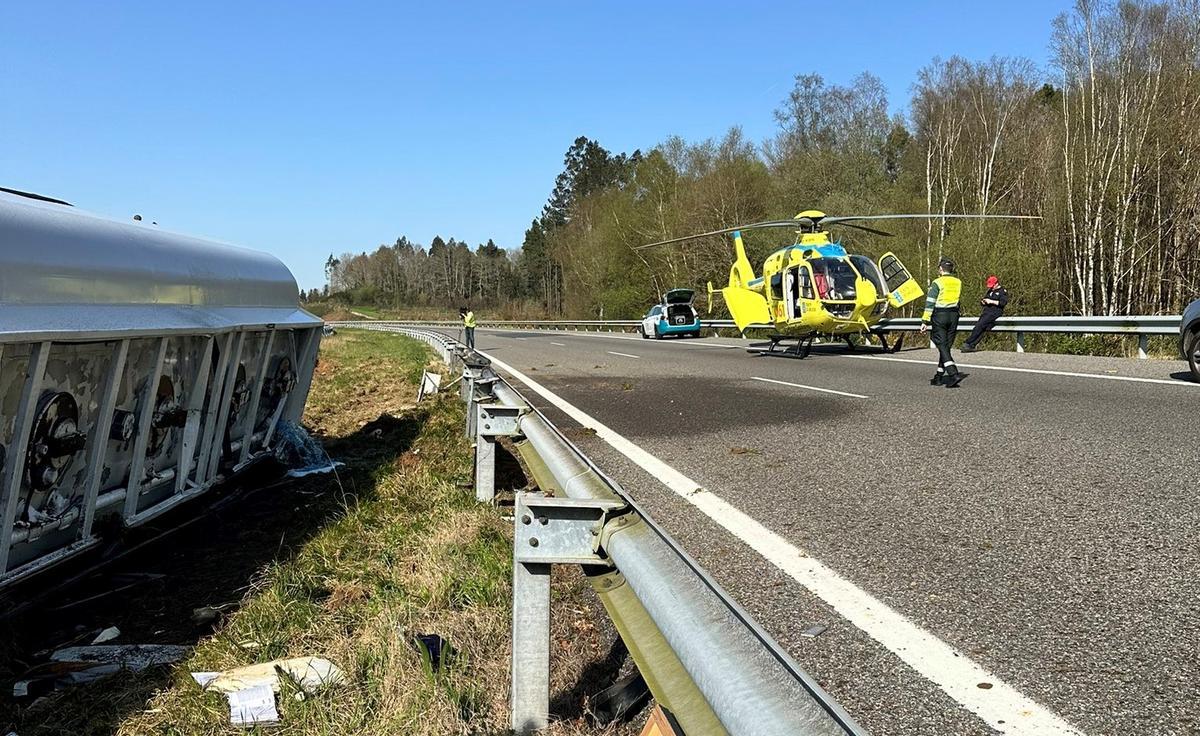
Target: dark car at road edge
1189,337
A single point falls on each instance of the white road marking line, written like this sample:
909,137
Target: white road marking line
558,344
1001,706
603,337
1040,371
624,355
810,388
520,338
713,345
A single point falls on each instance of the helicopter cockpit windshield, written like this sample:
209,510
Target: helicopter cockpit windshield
835,279
870,272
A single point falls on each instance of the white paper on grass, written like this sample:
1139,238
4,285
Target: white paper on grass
203,678
252,705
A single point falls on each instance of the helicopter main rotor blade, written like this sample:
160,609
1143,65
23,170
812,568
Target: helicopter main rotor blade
926,216
725,231
871,230
843,220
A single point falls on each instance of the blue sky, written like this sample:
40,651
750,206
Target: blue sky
305,128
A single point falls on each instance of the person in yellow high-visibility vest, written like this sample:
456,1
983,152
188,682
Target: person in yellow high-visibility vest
941,317
468,318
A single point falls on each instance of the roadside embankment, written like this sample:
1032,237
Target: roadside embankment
354,568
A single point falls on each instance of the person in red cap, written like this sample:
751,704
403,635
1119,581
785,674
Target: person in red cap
993,303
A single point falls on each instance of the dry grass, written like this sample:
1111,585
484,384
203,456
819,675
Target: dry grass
406,551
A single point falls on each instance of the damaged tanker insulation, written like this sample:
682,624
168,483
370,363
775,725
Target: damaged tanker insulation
138,368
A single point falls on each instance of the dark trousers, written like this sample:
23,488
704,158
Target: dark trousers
984,325
944,327
470,337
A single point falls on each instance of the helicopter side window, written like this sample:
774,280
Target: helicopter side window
776,289
806,285
820,277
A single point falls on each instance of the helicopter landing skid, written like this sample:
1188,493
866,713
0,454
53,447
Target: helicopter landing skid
799,348
883,341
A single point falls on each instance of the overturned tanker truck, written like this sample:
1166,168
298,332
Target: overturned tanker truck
138,369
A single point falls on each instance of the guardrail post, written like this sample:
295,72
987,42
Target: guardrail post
491,421
1020,341
545,531
1143,346
530,642
480,393
466,388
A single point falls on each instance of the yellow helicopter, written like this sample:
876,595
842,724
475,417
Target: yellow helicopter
814,287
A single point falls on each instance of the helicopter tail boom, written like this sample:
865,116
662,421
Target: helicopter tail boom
746,307
741,273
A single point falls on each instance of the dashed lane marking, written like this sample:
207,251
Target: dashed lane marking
1001,705
810,388
623,355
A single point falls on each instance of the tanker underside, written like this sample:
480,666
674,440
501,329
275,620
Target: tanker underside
123,427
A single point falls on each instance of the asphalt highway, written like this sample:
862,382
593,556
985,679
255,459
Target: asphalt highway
1040,521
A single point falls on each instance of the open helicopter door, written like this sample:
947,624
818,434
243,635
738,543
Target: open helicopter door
902,287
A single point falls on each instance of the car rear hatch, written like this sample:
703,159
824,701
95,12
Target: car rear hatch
679,296
679,310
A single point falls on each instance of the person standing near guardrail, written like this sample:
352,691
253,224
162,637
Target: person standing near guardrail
468,320
994,302
941,316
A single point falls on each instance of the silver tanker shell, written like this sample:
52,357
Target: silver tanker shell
55,254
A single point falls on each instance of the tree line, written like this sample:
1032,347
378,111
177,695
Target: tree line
1104,147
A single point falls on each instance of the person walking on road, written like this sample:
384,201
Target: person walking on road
941,317
994,302
468,320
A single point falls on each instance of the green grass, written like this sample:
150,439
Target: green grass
411,552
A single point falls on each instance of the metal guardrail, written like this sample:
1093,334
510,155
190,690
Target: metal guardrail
1143,326
702,656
